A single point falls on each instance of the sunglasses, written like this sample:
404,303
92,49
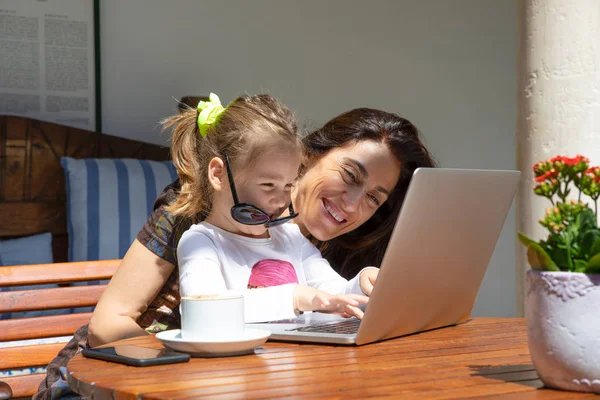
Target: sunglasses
249,214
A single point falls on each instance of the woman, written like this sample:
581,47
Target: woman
353,180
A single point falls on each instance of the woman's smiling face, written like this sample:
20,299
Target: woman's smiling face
342,189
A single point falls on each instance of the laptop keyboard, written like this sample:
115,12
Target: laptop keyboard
346,327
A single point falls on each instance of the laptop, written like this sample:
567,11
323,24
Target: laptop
433,266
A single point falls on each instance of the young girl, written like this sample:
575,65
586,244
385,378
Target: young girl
237,166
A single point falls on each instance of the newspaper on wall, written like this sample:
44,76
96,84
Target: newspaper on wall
47,65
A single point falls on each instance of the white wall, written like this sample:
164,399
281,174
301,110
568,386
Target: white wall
448,66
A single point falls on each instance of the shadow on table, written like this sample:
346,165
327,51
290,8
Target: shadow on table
523,374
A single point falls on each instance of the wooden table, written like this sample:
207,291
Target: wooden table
483,358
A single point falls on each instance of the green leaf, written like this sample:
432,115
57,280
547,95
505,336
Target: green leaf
559,255
580,266
525,240
588,218
593,265
537,257
595,248
588,240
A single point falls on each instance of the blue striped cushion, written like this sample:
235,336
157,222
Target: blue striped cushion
108,202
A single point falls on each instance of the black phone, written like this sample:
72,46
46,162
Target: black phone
136,355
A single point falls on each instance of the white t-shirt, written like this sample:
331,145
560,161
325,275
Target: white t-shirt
212,260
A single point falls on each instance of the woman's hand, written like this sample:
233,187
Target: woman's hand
307,298
367,279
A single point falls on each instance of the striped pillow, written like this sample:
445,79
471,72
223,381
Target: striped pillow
108,202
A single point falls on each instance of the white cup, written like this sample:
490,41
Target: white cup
218,317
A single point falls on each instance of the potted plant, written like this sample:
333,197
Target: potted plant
563,286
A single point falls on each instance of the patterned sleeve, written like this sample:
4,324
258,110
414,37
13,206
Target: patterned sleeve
159,233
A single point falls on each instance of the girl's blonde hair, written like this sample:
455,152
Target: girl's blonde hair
248,126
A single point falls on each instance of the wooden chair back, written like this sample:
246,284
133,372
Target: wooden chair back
64,296
32,180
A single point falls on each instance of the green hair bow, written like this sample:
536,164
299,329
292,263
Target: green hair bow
208,111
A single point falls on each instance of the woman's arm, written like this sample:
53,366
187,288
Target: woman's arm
137,281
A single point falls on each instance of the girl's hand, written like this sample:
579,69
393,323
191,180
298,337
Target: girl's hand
307,298
367,279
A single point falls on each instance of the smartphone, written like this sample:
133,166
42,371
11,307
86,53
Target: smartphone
136,355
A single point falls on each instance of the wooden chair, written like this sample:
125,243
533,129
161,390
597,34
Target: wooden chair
32,201
36,355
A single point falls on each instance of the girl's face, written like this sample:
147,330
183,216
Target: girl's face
266,184
341,190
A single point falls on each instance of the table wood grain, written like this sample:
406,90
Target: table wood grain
484,358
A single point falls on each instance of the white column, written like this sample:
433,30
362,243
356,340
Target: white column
558,99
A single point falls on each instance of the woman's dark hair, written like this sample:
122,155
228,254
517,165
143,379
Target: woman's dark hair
366,245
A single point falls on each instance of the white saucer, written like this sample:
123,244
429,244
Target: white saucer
245,345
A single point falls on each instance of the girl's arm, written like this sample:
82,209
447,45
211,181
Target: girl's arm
201,272
137,281
319,273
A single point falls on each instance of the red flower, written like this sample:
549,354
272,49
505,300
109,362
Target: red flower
593,170
575,160
593,173
548,175
570,161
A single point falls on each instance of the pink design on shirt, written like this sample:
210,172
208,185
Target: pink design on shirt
268,272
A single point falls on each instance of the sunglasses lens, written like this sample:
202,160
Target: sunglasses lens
249,215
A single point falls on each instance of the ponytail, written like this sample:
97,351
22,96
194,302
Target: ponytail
185,146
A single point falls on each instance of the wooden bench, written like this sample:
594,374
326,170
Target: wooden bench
32,201
39,355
